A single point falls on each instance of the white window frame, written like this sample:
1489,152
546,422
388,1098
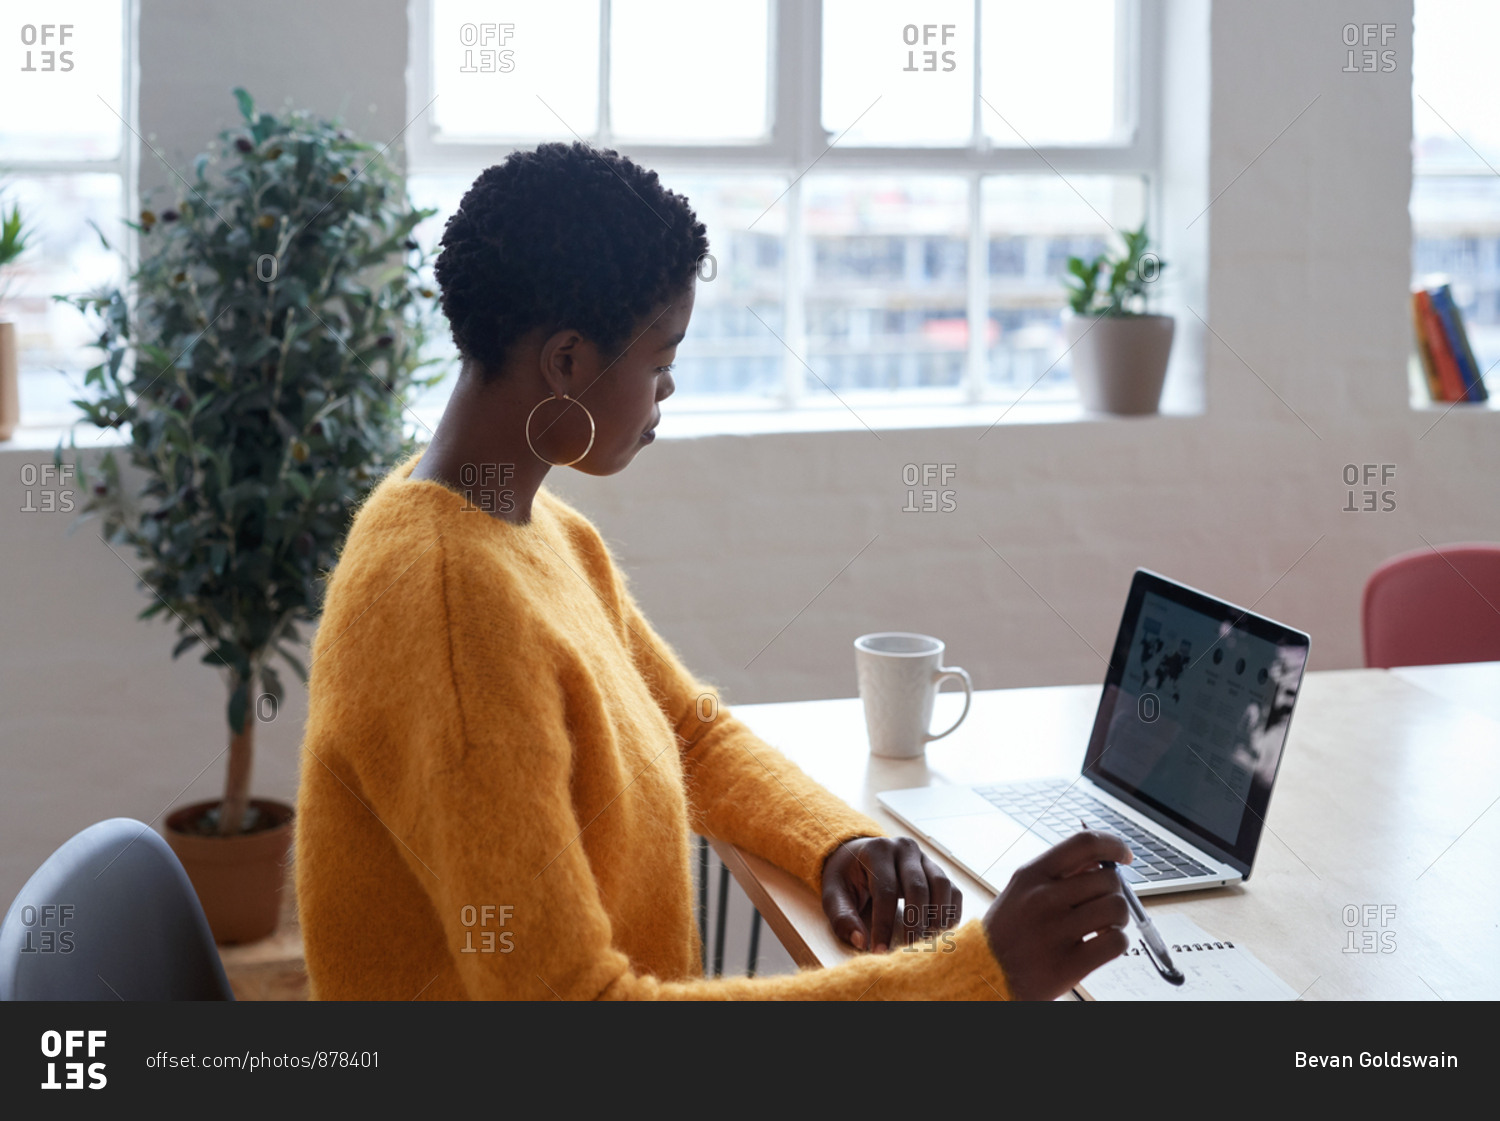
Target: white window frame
797,140
1436,172
126,164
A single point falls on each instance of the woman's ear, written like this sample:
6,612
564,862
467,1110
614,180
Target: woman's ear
562,361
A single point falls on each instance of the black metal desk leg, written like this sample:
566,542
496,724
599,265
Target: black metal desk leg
754,942
719,922
703,898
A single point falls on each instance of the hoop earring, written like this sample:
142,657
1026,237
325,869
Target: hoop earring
539,455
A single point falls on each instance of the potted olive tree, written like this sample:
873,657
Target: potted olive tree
13,236
1119,351
259,361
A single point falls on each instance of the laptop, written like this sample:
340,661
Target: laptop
1184,752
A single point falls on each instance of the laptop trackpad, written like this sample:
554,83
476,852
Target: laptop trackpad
991,845
922,803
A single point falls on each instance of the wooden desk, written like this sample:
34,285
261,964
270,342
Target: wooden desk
1386,796
1475,685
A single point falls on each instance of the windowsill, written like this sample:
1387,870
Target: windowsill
1426,406
46,438
878,418
697,423
1420,402
691,423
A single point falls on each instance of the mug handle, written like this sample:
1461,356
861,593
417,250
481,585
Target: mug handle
941,674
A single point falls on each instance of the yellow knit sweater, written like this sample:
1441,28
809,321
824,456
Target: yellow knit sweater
502,766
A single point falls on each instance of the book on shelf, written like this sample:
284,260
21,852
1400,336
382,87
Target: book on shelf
1447,359
1458,338
1430,374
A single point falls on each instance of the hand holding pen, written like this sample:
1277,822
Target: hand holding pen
1156,946
1061,917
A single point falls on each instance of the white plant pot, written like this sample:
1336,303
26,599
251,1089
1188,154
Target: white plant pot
1119,361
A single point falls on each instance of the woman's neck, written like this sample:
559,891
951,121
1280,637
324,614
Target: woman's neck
480,450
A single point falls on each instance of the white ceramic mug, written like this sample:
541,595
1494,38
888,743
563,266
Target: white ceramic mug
899,675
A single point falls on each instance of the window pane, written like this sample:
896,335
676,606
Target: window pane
1033,224
64,257
494,67
887,261
1050,73
1456,241
1453,84
52,87
899,74
730,354
1455,199
688,71
443,193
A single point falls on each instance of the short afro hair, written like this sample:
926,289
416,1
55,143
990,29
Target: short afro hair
563,236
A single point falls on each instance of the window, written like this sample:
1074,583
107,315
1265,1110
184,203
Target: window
66,159
1455,199
891,191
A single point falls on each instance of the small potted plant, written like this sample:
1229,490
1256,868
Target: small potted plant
259,363
13,235
1119,350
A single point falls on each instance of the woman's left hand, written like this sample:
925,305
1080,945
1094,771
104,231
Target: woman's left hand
865,879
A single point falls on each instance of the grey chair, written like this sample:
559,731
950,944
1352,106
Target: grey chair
110,915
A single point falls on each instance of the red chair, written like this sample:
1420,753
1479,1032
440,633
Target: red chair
1432,606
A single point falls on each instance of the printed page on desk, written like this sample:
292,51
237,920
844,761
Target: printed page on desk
1215,969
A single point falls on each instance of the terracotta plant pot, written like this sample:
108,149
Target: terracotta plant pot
10,385
1119,361
238,879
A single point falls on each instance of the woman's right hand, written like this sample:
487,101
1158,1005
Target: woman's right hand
1037,925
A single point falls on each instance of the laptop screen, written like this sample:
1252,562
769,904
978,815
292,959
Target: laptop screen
1195,713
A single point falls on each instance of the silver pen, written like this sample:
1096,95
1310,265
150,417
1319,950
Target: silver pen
1156,949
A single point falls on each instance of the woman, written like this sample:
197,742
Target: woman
503,762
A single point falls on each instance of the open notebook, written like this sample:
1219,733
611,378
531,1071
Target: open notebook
1215,969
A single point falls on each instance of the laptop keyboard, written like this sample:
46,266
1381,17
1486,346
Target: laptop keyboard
1060,808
